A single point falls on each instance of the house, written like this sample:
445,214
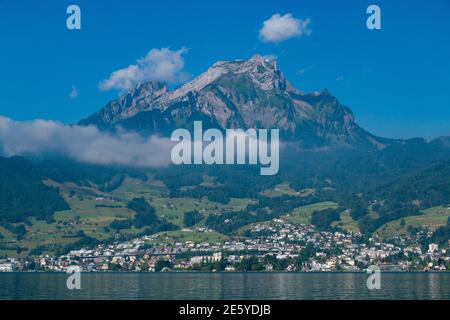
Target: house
7,267
433,247
217,256
197,259
229,268
269,267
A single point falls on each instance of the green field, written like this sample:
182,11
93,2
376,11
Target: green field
284,189
347,223
431,218
173,209
302,215
132,188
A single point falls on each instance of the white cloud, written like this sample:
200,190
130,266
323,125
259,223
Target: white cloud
339,78
163,65
73,93
85,144
279,28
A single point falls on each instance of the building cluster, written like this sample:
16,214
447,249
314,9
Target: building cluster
282,241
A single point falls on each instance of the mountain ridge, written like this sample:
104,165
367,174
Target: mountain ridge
242,94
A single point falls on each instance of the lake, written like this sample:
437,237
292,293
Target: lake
192,286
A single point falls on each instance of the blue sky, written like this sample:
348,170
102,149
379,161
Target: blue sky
396,80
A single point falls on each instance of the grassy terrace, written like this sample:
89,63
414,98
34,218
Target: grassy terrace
347,223
431,218
284,189
302,215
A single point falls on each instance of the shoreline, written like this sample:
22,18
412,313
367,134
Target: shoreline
226,272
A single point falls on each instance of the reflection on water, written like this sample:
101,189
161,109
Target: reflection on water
185,286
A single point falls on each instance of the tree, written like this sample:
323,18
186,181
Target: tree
191,218
161,264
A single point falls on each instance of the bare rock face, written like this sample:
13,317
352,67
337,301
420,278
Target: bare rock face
244,94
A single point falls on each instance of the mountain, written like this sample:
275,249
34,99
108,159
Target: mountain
244,94
23,194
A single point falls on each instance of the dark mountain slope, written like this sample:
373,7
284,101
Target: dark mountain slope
22,193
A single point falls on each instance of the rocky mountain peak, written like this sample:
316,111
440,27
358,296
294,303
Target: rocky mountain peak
262,71
243,94
150,89
128,105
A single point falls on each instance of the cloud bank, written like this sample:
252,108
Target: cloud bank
163,65
279,28
84,144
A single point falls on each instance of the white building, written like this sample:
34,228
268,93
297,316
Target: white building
217,256
6,267
433,247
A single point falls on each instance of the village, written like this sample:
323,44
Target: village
269,246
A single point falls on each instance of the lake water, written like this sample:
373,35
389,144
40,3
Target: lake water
191,286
